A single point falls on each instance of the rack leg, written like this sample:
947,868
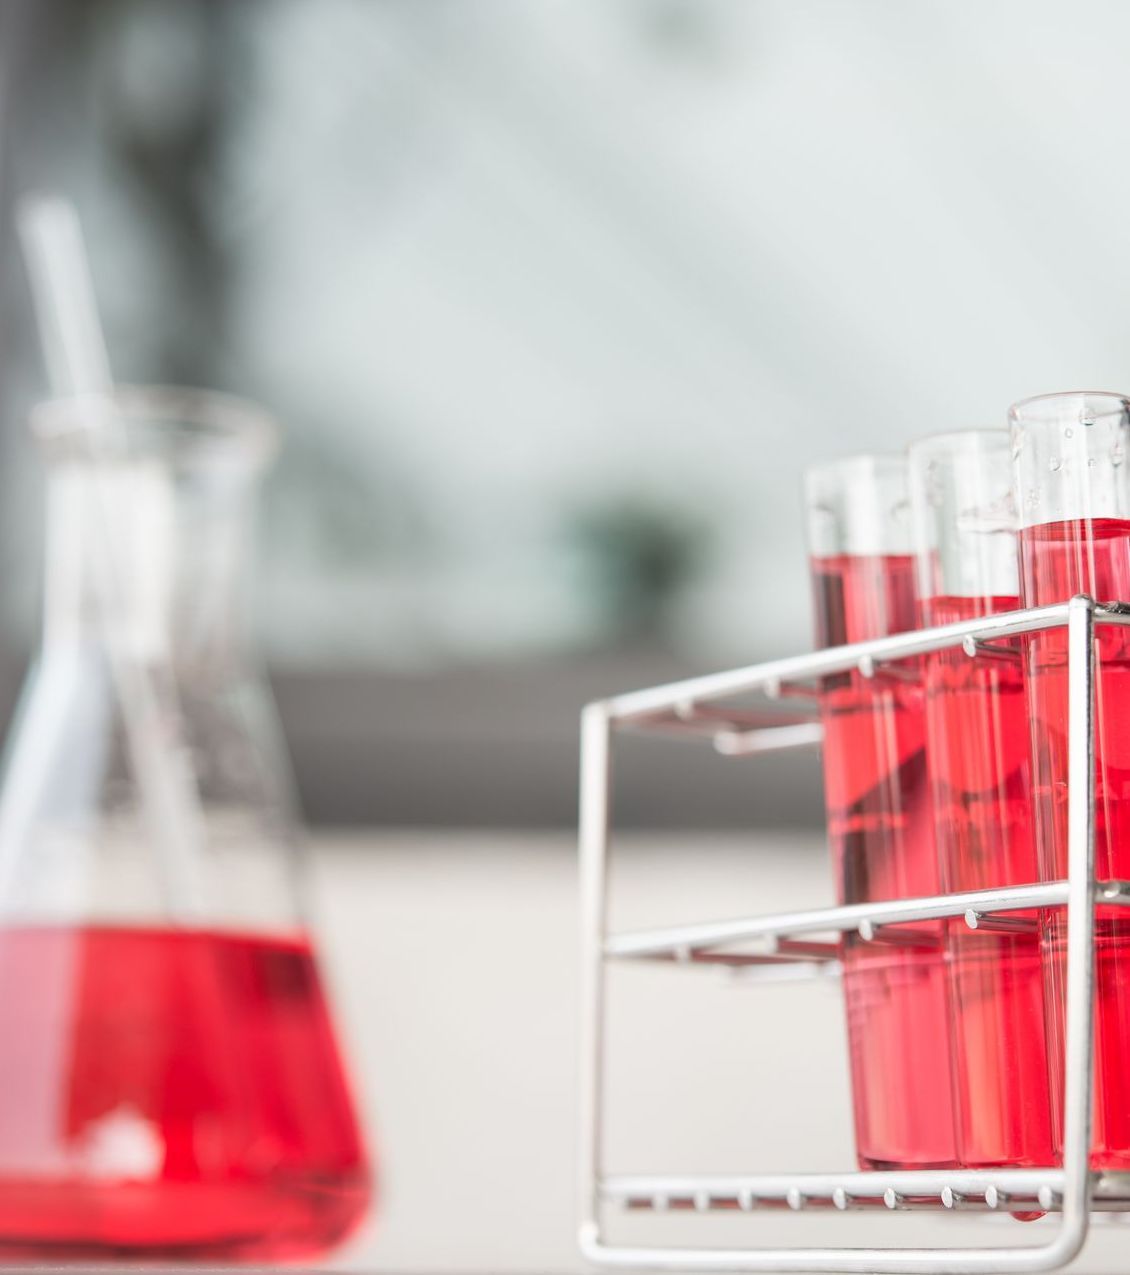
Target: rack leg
1079,1066
596,776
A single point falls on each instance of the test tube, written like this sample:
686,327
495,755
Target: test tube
880,822
980,784
1072,489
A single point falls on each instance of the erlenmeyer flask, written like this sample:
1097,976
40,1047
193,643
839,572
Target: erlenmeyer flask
170,1081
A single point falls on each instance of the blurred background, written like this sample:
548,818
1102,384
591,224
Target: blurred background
555,302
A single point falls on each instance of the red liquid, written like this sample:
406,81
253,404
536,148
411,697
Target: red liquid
977,729
170,1092
1057,561
880,826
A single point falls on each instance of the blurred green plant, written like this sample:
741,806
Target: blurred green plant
636,555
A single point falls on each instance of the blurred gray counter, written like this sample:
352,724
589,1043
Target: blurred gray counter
368,745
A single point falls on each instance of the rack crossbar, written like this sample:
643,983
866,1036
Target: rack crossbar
770,676
990,1189
677,940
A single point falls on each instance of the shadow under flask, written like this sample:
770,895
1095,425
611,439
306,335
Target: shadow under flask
880,820
170,1078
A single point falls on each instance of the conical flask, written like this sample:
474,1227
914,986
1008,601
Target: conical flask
170,1079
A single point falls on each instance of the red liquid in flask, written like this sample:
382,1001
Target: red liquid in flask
880,825
171,1092
1057,561
981,787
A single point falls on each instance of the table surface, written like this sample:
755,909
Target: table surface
453,960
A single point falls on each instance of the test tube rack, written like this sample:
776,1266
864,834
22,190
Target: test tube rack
807,942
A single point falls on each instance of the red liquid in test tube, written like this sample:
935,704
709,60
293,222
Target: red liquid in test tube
1059,560
980,780
980,777
880,821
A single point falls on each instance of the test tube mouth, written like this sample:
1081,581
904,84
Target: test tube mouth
187,428
858,468
1083,407
858,505
969,455
982,438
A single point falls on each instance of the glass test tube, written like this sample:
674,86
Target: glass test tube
980,784
880,823
1073,493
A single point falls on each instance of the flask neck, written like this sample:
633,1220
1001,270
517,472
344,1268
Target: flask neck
138,556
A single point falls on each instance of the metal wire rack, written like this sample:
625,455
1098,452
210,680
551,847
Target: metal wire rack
769,946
